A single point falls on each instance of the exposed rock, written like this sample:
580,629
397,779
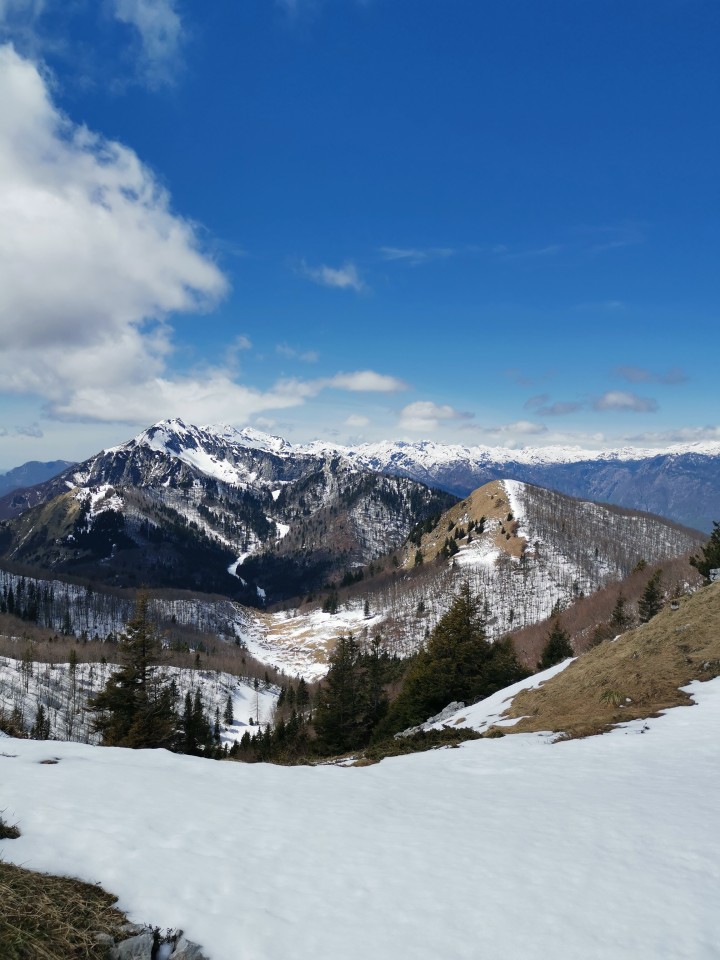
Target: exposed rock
139,947
187,950
448,711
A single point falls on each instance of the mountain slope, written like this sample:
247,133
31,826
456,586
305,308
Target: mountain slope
525,550
186,507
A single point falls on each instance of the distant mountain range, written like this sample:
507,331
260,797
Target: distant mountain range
681,482
30,473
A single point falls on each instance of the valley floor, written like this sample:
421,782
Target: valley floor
500,849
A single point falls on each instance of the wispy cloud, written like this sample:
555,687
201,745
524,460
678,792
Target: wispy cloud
678,435
560,408
414,256
625,400
292,353
366,381
159,31
424,416
602,239
357,420
358,381
522,427
642,375
345,277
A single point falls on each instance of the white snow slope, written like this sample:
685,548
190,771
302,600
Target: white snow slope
507,849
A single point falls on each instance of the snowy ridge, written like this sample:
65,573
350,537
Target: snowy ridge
175,438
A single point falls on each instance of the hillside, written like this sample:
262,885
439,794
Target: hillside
525,550
636,676
633,677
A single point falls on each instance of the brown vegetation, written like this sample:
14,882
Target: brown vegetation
635,676
53,918
583,617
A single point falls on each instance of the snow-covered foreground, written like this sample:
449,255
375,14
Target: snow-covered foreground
508,849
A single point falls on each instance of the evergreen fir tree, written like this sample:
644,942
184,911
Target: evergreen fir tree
457,663
136,708
339,714
620,618
710,559
557,647
652,599
228,717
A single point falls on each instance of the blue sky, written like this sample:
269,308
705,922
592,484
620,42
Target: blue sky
359,219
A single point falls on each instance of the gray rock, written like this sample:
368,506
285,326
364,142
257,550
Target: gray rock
449,710
187,950
139,947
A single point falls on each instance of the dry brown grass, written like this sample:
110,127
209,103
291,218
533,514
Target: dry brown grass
489,501
53,918
633,677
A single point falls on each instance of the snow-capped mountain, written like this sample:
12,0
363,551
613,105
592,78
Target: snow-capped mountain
213,509
681,482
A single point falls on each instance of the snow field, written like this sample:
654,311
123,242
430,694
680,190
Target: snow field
509,849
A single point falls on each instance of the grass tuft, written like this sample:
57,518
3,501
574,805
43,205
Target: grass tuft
53,918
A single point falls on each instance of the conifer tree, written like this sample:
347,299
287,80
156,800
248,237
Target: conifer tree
652,599
710,559
457,663
228,717
339,712
557,647
136,709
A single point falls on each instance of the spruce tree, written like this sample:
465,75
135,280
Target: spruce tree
710,559
652,599
457,663
228,717
557,647
339,716
136,709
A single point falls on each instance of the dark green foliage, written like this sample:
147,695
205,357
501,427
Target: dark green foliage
331,604
710,558
345,708
458,663
652,599
557,647
136,708
228,717
620,618
418,743
40,729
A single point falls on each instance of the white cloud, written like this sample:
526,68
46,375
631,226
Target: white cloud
306,356
678,435
160,33
527,427
633,374
366,381
625,400
345,277
92,258
414,256
424,416
357,420
360,381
